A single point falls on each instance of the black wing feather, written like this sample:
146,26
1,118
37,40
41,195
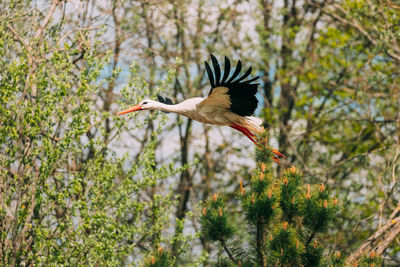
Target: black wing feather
161,99
227,69
252,80
210,75
166,100
244,75
242,93
243,101
237,71
217,70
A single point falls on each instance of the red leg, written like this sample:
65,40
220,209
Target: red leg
276,160
240,129
248,133
276,152
252,136
243,129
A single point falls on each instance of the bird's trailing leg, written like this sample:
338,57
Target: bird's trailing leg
243,131
256,141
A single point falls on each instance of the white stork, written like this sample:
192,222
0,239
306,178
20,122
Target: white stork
230,103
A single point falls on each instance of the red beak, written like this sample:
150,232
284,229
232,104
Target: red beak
134,108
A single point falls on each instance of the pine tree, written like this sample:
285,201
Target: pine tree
283,217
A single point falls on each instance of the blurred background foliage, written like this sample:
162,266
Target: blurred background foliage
80,186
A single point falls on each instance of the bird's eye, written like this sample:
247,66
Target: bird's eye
144,103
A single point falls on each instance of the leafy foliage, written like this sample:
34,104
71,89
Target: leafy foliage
68,198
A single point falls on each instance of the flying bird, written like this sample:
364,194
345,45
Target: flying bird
230,102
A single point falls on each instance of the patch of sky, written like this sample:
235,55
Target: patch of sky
271,72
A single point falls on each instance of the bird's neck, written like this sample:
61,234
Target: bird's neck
168,108
184,108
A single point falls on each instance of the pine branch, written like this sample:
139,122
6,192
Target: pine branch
310,238
227,251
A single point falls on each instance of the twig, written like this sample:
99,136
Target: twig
27,48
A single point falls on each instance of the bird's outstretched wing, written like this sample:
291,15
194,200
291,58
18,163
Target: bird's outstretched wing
237,95
165,100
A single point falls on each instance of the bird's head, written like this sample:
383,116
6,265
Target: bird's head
146,104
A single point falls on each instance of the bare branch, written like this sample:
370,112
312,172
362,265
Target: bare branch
392,5
27,48
380,240
47,18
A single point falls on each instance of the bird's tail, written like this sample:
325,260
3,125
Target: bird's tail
254,124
